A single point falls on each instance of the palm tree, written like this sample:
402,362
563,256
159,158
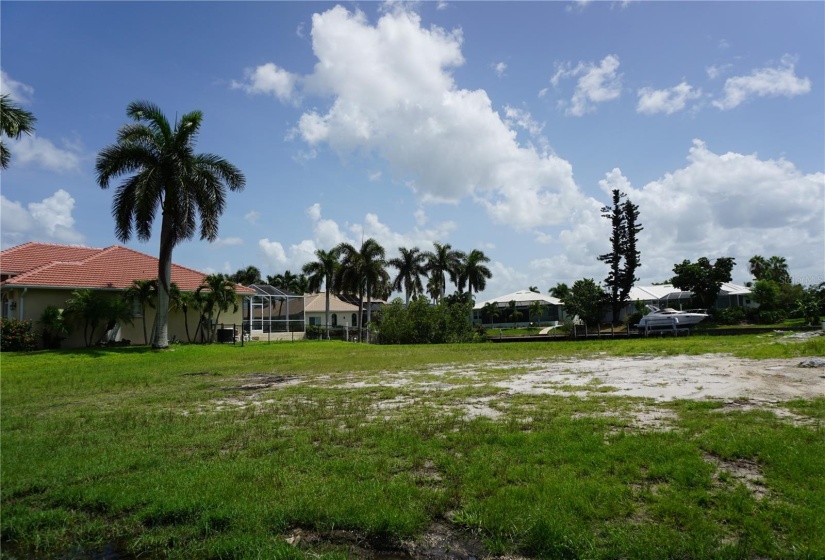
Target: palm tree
163,172
14,122
322,271
361,272
94,308
217,293
515,314
474,273
757,266
491,310
411,267
300,285
778,270
537,309
187,301
142,291
560,291
441,262
433,289
534,289
247,276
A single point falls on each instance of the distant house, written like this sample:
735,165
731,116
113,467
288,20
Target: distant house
665,295
341,313
553,309
36,275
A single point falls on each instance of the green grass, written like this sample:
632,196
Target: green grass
165,455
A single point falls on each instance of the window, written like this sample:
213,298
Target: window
314,321
334,320
137,308
354,319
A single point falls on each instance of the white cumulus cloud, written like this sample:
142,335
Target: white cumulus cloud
268,79
771,81
391,92
668,101
597,83
18,91
35,150
49,220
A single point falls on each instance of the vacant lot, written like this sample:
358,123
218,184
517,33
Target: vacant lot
704,447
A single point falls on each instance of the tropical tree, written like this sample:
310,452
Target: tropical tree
93,308
55,327
247,276
534,289
702,278
444,261
560,291
14,122
757,266
491,310
473,271
217,294
411,266
433,289
164,173
536,310
143,291
322,272
515,314
778,270
189,301
361,272
585,299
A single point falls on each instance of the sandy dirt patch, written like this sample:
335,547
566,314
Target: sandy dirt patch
667,378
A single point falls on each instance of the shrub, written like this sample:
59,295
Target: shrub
729,316
16,336
422,323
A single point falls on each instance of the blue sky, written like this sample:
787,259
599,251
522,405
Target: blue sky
499,126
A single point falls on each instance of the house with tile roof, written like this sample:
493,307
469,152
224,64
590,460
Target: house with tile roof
36,275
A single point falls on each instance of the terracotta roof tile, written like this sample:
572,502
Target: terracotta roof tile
82,267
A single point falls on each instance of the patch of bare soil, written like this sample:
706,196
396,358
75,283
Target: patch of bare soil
666,378
259,381
640,418
439,542
744,471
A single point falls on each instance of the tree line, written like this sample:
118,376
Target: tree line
362,273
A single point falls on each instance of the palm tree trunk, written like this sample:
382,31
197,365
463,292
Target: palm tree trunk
327,309
143,312
160,336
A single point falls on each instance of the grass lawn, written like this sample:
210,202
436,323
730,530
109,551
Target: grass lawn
166,455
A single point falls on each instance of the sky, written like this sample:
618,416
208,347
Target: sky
499,126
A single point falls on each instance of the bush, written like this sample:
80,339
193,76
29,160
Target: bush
16,336
422,323
729,316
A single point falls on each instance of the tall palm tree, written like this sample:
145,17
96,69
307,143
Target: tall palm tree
474,272
189,301
778,270
322,271
300,285
515,314
757,266
14,122
433,289
163,172
444,261
143,291
411,267
361,272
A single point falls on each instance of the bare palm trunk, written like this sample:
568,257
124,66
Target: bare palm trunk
160,336
327,309
145,337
